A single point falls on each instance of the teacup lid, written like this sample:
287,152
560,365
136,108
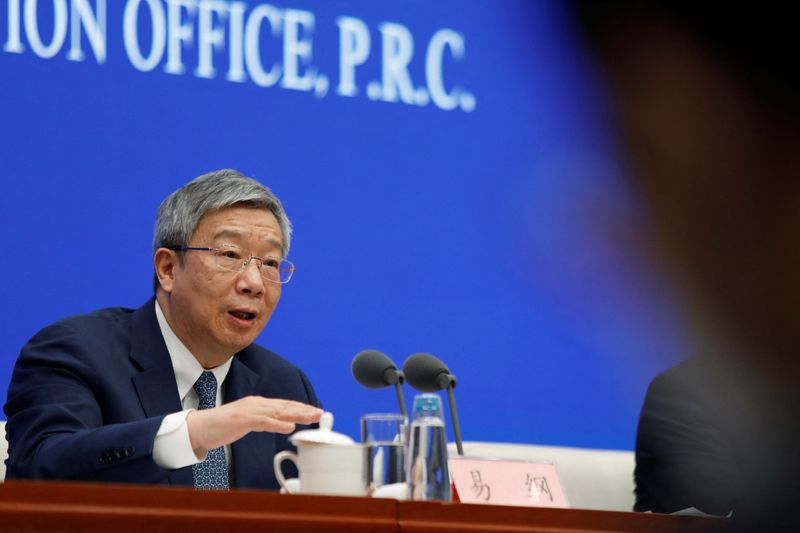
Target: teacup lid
323,435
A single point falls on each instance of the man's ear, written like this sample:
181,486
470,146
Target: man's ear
165,262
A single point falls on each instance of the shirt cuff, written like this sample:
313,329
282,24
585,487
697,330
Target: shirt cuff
172,448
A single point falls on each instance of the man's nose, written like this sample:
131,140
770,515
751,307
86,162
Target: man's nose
249,280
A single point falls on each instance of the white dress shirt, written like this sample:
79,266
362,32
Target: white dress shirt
172,448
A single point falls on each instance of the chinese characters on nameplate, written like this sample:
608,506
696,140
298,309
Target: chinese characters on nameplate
505,482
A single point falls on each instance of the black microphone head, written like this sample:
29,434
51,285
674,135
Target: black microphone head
375,370
427,373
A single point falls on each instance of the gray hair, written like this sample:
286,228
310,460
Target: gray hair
180,213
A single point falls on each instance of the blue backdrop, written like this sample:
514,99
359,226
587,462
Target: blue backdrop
448,168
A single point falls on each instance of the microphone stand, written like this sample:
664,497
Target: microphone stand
454,415
400,398
445,380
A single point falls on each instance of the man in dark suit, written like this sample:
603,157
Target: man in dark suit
689,448
175,391
706,98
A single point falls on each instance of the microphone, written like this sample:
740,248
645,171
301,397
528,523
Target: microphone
427,373
375,370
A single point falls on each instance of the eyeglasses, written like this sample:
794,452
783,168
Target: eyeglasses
232,258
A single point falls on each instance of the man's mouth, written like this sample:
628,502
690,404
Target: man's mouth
242,315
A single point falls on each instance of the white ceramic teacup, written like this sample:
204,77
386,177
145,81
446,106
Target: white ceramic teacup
336,469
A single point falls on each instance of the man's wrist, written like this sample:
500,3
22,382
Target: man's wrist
172,448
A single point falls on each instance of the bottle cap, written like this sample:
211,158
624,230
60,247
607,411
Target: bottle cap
427,404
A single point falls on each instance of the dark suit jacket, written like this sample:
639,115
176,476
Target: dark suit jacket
88,395
686,444
720,435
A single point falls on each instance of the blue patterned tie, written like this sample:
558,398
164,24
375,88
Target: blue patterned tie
213,472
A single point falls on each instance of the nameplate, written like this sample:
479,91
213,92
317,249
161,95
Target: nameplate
506,482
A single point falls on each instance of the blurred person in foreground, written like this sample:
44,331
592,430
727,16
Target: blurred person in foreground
707,99
175,392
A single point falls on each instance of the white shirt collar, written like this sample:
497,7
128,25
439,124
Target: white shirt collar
187,368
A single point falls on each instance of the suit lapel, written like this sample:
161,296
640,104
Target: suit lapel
155,384
252,454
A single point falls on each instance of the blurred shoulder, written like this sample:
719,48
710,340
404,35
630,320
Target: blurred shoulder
698,374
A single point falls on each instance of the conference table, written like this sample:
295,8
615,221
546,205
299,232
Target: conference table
91,507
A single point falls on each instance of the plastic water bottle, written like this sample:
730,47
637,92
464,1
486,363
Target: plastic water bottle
427,474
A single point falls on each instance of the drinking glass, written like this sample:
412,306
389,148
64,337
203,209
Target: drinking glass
384,439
